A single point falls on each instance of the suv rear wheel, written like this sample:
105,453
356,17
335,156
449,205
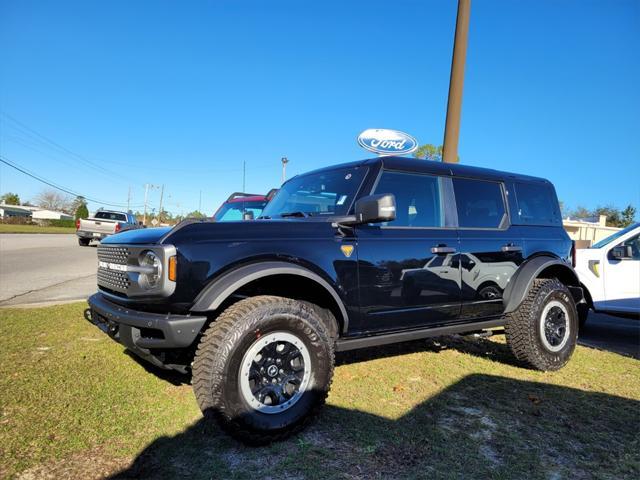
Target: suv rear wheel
83,242
263,368
543,331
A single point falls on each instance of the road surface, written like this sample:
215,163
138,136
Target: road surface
606,332
45,268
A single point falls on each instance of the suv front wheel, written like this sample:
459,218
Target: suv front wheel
543,331
263,368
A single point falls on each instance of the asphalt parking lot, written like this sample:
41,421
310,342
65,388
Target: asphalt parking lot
40,269
45,268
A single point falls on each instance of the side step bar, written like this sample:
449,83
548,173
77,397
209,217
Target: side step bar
345,344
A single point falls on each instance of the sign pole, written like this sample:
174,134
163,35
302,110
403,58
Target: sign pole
456,83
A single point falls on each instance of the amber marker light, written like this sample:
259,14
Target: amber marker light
173,268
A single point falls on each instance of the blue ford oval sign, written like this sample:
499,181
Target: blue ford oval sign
387,142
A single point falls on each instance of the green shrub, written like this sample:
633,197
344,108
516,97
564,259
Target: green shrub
62,223
82,211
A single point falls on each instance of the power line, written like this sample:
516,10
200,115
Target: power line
15,166
43,140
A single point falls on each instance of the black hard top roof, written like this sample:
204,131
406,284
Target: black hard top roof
436,168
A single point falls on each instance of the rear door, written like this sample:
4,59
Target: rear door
407,274
490,247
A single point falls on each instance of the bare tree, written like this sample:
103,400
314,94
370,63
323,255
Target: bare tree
53,200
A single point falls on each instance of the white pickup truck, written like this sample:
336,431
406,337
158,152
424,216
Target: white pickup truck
103,224
610,273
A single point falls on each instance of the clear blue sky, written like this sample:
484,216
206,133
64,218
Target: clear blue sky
181,93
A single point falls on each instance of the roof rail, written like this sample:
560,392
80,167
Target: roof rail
271,193
242,194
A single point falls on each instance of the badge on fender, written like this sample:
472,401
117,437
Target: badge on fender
347,250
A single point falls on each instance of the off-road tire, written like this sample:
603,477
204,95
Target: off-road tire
83,242
216,368
522,327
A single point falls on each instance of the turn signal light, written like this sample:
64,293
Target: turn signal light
78,224
173,268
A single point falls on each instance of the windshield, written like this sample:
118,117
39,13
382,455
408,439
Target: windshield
615,236
330,192
234,210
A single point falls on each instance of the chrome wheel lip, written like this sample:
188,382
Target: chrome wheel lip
545,323
247,360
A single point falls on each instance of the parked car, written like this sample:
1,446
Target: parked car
243,206
609,272
103,224
256,310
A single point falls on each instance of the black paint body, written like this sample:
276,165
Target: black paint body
392,280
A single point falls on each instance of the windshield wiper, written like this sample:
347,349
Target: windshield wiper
295,214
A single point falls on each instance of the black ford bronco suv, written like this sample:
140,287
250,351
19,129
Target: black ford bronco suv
356,255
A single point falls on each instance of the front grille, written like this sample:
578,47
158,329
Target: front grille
113,279
118,255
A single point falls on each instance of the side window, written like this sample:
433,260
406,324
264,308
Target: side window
634,243
536,204
480,203
418,199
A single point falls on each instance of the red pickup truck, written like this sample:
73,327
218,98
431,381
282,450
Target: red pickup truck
243,206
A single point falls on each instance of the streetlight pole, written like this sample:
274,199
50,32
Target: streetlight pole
284,161
456,83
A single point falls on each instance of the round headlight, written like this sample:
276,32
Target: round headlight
151,278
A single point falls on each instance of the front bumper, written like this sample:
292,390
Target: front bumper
143,332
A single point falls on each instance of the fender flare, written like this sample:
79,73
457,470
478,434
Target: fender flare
523,279
214,294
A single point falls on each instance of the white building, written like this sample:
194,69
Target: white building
586,233
8,211
42,214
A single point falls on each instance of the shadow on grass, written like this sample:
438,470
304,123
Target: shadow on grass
480,427
171,376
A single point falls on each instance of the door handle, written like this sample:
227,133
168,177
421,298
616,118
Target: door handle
511,248
442,249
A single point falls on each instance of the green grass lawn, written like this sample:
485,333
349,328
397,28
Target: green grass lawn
74,405
7,228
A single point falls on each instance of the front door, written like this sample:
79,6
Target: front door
622,279
408,270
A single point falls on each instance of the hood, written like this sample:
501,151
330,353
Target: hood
138,236
250,230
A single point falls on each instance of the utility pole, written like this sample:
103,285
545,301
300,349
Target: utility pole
200,202
129,200
146,196
160,208
456,83
244,175
284,161
147,186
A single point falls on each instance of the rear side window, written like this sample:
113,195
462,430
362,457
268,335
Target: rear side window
480,203
418,202
537,204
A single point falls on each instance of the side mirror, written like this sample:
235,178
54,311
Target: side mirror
621,252
248,215
376,208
